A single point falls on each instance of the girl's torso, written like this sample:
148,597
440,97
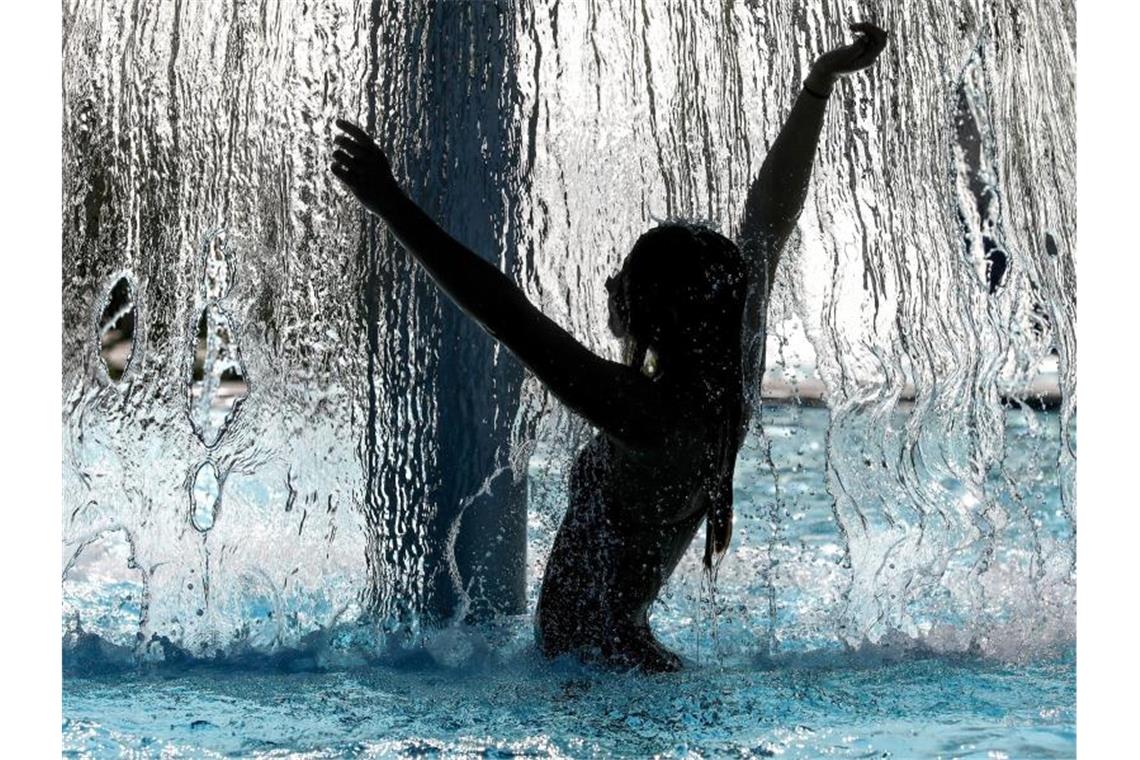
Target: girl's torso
630,518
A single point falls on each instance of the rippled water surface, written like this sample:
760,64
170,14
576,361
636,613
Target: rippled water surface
767,676
842,708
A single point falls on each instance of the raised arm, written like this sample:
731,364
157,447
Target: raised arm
777,196
614,397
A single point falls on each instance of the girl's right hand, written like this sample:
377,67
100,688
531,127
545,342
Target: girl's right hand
360,164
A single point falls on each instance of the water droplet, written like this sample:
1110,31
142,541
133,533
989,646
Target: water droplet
117,329
216,279
205,497
217,383
1050,244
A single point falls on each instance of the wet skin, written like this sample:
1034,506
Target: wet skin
632,515
640,489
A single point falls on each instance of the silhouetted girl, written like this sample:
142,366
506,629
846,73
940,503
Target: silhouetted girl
672,418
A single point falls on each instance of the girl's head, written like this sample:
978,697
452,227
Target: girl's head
681,292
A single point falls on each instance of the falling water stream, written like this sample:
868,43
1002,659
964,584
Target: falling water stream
278,436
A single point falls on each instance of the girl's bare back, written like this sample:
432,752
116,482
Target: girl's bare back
630,518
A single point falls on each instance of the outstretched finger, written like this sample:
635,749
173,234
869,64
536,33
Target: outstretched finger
866,27
345,175
353,147
344,159
876,38
354,131
872,40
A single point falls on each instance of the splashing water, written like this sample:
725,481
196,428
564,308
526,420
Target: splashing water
302,436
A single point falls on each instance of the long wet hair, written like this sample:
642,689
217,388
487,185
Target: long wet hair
680,298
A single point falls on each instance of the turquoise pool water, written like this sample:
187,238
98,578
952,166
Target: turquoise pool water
772,670
845,707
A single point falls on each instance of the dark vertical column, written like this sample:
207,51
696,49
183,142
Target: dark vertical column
441,102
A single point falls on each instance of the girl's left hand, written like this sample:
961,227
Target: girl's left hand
850,58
